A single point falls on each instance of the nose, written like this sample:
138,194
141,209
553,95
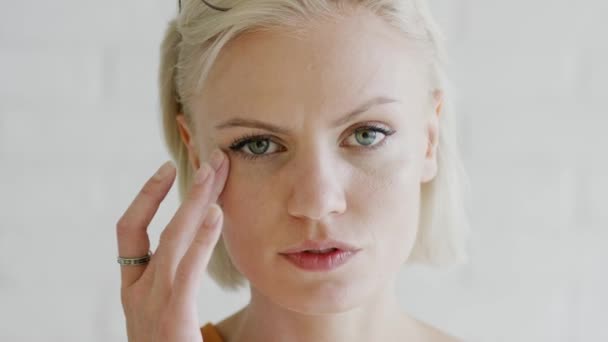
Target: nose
317,189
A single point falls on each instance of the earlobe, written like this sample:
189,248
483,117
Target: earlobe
188,140
429,170
438,101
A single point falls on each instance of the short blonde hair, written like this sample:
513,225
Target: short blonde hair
193,41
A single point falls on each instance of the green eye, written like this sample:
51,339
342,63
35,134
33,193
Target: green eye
369,137
258,146
265,146
365,137
255,146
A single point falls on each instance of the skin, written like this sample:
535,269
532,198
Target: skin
314,181
317,181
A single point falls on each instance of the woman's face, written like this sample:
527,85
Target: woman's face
357,181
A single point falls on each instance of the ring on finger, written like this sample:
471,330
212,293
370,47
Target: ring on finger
135,261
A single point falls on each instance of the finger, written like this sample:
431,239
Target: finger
195,261
178,234
221,175
131,229
181,229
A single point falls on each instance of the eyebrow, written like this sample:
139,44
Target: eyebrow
253,123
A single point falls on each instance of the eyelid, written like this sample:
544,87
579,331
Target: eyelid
246,138
238,144
375,127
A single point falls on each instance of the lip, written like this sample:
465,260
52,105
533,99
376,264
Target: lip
297,255
320,245
321,262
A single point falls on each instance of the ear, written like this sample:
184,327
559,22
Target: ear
429,168
188,140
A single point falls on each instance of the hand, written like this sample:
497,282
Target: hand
159,298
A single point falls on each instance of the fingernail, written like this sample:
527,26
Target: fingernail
163,171
213,215
202,174
216,158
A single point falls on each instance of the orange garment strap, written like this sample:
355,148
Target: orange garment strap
210,333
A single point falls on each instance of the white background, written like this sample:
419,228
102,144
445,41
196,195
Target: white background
80,133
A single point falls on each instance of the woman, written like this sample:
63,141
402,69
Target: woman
314,137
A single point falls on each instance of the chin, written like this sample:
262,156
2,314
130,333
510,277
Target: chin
317,293
322,297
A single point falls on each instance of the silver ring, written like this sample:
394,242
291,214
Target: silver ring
134,261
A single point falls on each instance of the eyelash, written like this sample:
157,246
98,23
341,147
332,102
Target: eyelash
238,143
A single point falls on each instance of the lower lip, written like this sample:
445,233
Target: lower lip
321,261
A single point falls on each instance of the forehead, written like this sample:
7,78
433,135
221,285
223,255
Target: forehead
324,68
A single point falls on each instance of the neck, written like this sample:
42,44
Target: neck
378,319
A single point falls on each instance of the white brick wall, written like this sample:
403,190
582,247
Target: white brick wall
78,101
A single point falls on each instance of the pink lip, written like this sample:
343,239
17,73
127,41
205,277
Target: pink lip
320,245
320,262
340,254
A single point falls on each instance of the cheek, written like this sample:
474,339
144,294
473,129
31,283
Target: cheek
388,181
389,199
244,185
245,196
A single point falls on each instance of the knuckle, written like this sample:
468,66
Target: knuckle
123,226
168,239
165,237
201,240
202,189
150,189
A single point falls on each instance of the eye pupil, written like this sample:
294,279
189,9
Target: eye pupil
259,146
365,137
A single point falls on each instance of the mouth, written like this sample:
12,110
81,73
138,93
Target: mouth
323,251
320,256
320,247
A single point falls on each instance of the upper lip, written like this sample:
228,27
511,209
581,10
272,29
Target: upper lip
320,245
